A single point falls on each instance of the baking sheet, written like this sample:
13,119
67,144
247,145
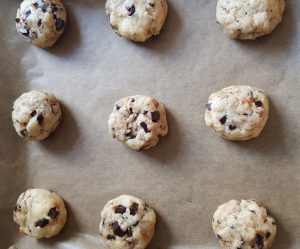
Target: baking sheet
191,171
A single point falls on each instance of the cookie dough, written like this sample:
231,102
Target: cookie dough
237,112
127,222
138,121
249,19
137,20
36,114
243,224
41,21
40,213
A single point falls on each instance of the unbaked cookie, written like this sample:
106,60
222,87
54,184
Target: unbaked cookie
237,112
137,20
36,114
41,21
138,121
249,19
127,222
244,224
40,213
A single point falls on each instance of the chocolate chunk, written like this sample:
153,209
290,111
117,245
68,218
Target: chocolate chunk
53,213
118,107
24,32
130,134
155,116
130,110
44,9
41,223
132,100
223,119
129,232
27,13
268,234
208,106
152,5
59,24
40,119
33,113
232,127
144,125
23,132
111,237
40,22
54,8
258,103
117,229
17,20
120,209
145,112
259,241
36,5
131,10
133,208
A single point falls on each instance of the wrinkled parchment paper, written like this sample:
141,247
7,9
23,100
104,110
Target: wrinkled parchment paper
191,171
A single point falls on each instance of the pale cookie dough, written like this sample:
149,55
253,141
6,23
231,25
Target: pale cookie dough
41,21
249,19
127,222
138,121
237,112
36,114
137,20
40,213
243,224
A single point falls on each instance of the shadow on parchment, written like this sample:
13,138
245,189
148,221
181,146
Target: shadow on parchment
167,148
280,38
65,135
171,29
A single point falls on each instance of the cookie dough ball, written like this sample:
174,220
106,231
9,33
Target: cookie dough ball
244,224
127,222
138,121
36,114
137,20
40,213
237,112
246,19
41,21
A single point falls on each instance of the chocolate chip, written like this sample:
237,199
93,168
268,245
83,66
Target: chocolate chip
268,234
59,24
17,20
111,237
53,213
117,229
223,119
17,208
27,13
40,119
118,107
259,241
40,22
208,106
44,9
120,209
129,232
219,237
54,8
33,113
135,224
152,5
130,134
132,100
36,5
258,103
155,116
133,208
24,32
23,132
41,223
131,10
252,211
130,110
144,125
232,127
145,112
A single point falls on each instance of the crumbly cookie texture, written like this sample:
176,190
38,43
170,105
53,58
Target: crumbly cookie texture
36,114
244,224
237,112
127,222
249,19
40,213
137,20
138,121
41,21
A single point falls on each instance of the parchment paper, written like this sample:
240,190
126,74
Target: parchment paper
191,171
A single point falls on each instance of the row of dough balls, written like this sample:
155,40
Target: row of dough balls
42,22
128,222
235,113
